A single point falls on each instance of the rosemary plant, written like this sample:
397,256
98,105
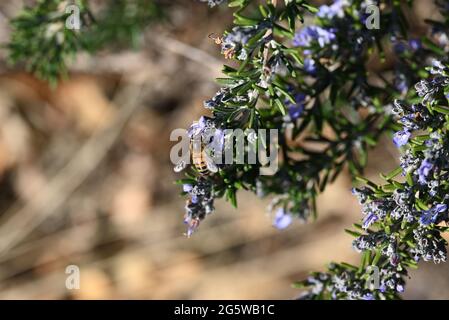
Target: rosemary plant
43,42
310,74
313,83
404,218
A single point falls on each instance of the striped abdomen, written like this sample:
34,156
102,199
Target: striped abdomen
199,161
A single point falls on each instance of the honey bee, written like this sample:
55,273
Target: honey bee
228,51
201,160
217,39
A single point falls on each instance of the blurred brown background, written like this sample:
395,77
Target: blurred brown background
85,179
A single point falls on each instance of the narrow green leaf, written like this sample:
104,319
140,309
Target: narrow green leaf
393,174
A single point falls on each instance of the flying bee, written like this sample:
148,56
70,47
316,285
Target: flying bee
226,49
201,159
217,39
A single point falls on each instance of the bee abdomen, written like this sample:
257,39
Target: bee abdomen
200,163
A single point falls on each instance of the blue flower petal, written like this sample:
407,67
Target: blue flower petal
282,219
401,138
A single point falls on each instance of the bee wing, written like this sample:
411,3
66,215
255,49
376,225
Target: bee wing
180,166
217,39
211,166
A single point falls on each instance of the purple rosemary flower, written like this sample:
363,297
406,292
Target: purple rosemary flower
217,143
308,34
424,170
205,130
282,219
430,246
394,259
401,138
428,88
427,218
368,296
335,9
400,83
296,110
309,66
431,215
200,204
415,44
441,207
198,127
238,37
437,68
369,220
362,194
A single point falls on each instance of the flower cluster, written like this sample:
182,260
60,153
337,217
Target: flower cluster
236,43
201,204
404,220
302,79
336,9
345,281
309,34
205,132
